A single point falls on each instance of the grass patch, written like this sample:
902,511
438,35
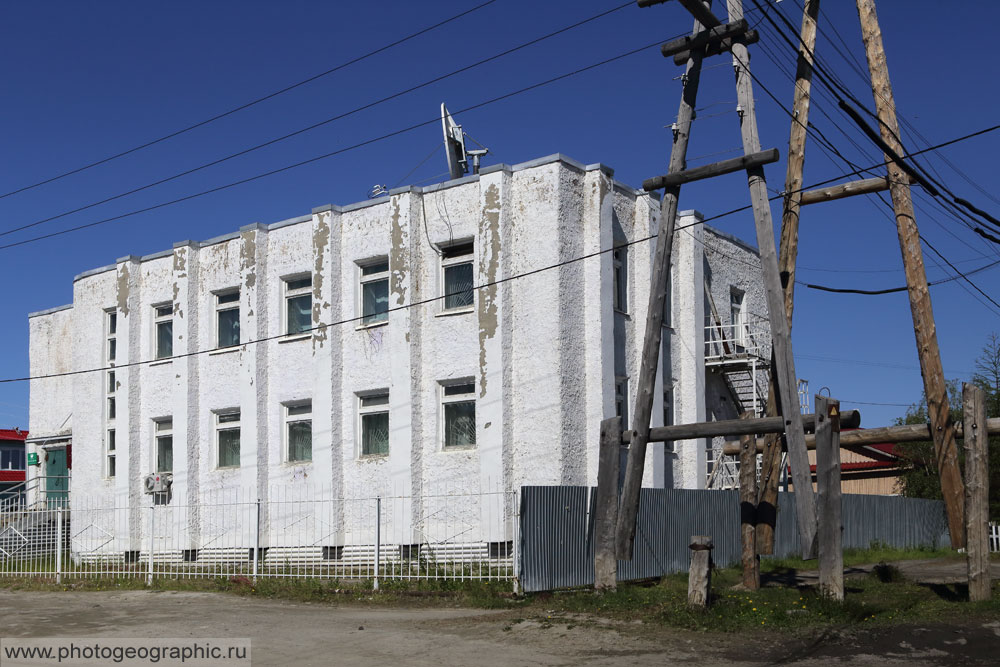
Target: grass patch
876,553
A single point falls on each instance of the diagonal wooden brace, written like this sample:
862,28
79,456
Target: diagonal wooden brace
710,170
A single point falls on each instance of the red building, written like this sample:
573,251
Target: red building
12,459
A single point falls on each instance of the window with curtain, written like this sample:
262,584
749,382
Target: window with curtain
298,305
298,430
374,412
227,428
375,292
457,276
164,434
227,307
458,403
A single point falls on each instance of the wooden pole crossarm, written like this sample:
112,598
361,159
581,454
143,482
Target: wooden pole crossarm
710,170
721,46
849,189
849,419
875,436
702,13
716,34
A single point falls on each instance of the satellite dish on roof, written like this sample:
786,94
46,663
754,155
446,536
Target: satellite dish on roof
454,144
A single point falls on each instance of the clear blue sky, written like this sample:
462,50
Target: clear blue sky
86,80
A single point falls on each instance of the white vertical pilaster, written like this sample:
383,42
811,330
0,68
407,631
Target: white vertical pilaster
128,434
185,387
322,355
689,345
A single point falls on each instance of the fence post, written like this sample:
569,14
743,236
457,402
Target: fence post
515,511
59,540
152,526
256,540
700,572
829,501
977,548
378,538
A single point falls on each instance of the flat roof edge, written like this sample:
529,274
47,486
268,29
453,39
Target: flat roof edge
49,311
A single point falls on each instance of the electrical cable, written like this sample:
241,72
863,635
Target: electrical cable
339,151
251,103
316,125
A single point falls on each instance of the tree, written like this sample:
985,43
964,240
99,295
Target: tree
920,477
987,374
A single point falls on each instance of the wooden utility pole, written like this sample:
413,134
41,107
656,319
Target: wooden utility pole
606,510
748,512
770,474
945,449
629,508
784,363
977,492
829,499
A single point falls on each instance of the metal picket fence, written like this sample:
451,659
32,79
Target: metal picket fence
994,537
306,533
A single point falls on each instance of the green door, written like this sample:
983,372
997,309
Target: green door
57,478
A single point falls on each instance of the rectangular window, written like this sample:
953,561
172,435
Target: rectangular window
457,275
164,437
163,322
298,431
737,317
227,437
227,309
619,282
374,412
298,305
111,407
111,337
375,292
110,452
621,400
458,409
12,458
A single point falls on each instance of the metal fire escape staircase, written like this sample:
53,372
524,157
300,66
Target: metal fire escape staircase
740,353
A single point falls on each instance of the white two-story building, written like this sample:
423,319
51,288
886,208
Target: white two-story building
466,335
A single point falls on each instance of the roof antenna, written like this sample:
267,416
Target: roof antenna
454,144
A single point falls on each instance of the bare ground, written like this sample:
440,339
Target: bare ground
295,633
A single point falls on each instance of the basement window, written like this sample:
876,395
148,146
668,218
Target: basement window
457,276
458,409
163,323
298,305
375,292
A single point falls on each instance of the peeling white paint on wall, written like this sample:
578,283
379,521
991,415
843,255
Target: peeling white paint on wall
541,350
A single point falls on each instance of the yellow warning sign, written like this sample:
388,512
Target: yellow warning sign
833,411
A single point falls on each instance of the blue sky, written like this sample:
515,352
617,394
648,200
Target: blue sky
87,80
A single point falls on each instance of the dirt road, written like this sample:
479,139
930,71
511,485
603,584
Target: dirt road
291,633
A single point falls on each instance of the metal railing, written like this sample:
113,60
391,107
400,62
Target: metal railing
303,532
31,493
737,341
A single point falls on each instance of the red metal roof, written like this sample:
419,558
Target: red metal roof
13,434
11,475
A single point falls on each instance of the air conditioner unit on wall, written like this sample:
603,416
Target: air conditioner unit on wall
158,482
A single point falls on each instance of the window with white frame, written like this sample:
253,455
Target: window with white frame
621,400
227,314
619,283
298,432
111,336
110,391
737,316
110,449
11,457
298,305
457,275
375,292
373,414
163,441
227,438
458,414
163,330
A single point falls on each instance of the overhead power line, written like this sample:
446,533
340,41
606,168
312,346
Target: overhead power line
251,103
319,124
333,153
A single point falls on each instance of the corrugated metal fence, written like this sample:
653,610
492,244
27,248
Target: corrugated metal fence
557,530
